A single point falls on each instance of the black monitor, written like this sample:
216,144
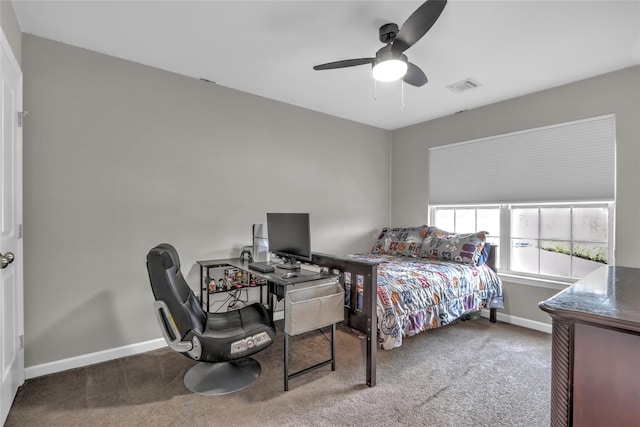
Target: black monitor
290,237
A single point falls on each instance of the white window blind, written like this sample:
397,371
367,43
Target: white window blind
572,161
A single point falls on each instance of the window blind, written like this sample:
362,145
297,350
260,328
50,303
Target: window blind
568,162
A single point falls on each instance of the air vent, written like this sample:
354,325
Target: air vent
463,85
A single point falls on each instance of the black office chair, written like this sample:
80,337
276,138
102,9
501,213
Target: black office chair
222,340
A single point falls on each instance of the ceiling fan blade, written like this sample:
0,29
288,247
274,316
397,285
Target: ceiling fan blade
414,76
417,25
344,63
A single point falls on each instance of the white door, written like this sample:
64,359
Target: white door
11,290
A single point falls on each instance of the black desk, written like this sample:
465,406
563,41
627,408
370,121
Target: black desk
277,287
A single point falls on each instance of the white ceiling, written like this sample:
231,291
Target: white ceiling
268,48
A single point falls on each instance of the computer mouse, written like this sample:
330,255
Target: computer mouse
289,275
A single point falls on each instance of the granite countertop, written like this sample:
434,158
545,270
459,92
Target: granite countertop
610,296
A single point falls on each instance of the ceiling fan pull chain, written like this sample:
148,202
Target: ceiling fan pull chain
402,93
375,90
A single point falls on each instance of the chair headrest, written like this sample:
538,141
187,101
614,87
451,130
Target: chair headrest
170,258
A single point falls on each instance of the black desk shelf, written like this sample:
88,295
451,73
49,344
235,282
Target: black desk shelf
233,278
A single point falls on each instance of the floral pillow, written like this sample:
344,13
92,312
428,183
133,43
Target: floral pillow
406,241
464,248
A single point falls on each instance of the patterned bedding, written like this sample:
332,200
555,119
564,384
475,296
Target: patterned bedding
418,294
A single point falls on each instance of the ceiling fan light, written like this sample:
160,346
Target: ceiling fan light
389,70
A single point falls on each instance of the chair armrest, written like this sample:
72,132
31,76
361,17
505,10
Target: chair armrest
169,329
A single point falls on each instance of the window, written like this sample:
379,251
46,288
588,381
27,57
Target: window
545,195
558,241
469,220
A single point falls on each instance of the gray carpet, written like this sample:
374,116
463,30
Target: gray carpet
472,373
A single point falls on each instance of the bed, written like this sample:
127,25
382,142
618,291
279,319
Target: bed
415,279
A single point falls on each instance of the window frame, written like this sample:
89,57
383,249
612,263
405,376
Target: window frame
504,261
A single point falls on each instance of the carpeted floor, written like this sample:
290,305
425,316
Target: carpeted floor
472,373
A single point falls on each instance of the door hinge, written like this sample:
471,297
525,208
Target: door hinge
21,116
19,231
21,342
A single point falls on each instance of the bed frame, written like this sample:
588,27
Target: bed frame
365,320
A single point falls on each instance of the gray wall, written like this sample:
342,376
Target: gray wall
119,157
617,92
11,28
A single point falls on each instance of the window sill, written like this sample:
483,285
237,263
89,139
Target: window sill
537,282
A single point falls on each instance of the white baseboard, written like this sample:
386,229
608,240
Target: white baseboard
520,321
130,350
92,358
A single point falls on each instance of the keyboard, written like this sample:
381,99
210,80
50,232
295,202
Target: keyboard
262,267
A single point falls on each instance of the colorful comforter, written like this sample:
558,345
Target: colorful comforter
417,294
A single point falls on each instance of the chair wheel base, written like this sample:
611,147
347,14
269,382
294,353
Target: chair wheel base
222,378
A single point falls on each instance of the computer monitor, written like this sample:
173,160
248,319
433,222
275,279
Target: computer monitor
290,237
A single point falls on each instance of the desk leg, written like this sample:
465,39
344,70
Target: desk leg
273,299
286,361
202,285
207,290
333,347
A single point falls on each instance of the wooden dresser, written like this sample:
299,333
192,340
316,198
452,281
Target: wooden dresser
596,350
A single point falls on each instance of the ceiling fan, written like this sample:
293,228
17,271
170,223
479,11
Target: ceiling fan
390,63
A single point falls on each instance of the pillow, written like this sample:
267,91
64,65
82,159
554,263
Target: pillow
405,241
438,232
464,248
